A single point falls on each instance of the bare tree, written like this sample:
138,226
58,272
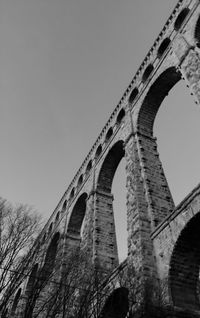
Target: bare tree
19,226
70,290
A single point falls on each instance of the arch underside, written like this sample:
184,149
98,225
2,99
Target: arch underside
185,265
109,167
154,98
77,215
117,305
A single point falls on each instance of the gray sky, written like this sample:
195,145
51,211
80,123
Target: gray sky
64,66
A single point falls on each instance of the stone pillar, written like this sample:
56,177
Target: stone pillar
104,237
140,245
157,193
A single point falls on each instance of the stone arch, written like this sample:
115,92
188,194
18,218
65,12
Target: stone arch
156,94
197,32
109,134
64,206
57,216
50,228
16,301
147,72
89,167
133,95
50,256
77,216
72,193
180,19
163,47
109,167
80,181
184,281
117,304
120,116
44,238
98,151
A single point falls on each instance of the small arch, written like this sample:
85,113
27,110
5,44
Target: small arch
147,72
133,95
44,238
120,116
117,304
58,216
50,256
89,167
50,228
72,193
98,152
180,19
197,33
16,301
163,47
64,206
109,134
77,216
80,180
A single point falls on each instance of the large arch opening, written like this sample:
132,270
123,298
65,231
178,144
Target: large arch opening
117,305
177,131
184,267
112,180
50,257
77,216
176,128
160,201
119,205
109,167
197,32
154,98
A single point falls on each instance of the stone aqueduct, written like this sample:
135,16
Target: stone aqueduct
163,240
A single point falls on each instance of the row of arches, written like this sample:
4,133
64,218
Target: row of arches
184,274
186,253
134,93
115,306
164,46
98,152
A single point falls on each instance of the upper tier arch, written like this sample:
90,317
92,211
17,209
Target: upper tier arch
156,94
109,167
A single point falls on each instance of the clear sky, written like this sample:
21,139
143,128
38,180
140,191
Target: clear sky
64,66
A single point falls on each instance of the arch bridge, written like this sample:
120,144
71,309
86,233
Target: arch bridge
163,240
